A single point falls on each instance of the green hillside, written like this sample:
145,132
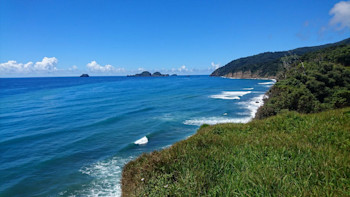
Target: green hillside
280,153
311,83
285,155
266,65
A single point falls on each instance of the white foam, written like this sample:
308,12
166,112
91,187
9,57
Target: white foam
106,178
143,140
253,104
215,120
248,88
230,95
273,81
267,83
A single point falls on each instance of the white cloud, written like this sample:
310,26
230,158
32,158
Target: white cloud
93,66
74,67
341,15
14,67
215,66
46,65
141,69
182,69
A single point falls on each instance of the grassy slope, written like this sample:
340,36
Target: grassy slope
285,155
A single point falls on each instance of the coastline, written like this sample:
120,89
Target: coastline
230,159
272,78
252,105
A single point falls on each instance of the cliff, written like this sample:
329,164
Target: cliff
248,75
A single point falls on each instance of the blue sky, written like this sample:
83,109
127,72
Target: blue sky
100,37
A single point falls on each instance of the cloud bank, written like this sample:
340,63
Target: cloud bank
93,66
341,15
48,64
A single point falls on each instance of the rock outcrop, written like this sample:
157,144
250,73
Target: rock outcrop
247,75
148,74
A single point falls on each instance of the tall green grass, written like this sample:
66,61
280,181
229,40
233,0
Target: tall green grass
285,155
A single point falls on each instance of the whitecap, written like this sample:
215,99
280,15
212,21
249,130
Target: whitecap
230,95
267,83
215,120
143,140
248,88
273,81
253,104
106,178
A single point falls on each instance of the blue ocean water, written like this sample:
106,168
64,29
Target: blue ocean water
71,136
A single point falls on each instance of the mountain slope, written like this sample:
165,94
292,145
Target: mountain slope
265,65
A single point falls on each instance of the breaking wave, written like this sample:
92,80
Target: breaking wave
143,140
230,95
253,104
106,178
215,120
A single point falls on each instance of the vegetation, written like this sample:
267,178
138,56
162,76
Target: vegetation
268,64
288,154
311,83
285,155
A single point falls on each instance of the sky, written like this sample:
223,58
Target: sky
114,37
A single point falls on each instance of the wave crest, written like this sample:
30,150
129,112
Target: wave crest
143,140
215,120
230,95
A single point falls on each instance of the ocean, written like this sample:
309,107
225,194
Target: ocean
71,136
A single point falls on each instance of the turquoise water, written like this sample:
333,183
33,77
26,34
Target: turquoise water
71,136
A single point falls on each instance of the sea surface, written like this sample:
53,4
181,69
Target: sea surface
71,136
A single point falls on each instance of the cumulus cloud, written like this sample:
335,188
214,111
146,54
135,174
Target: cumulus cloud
182,69
341,15
93,66
48,64
215,66
141,69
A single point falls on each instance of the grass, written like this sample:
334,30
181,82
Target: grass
286,155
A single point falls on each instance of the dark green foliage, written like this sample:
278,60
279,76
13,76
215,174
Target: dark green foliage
269,64
266,64
316,81
336,54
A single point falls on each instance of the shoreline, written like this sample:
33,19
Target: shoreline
252,105
273,79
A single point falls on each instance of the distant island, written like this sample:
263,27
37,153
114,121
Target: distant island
148,74
84,75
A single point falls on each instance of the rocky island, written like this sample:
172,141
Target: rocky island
148,74
84,75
